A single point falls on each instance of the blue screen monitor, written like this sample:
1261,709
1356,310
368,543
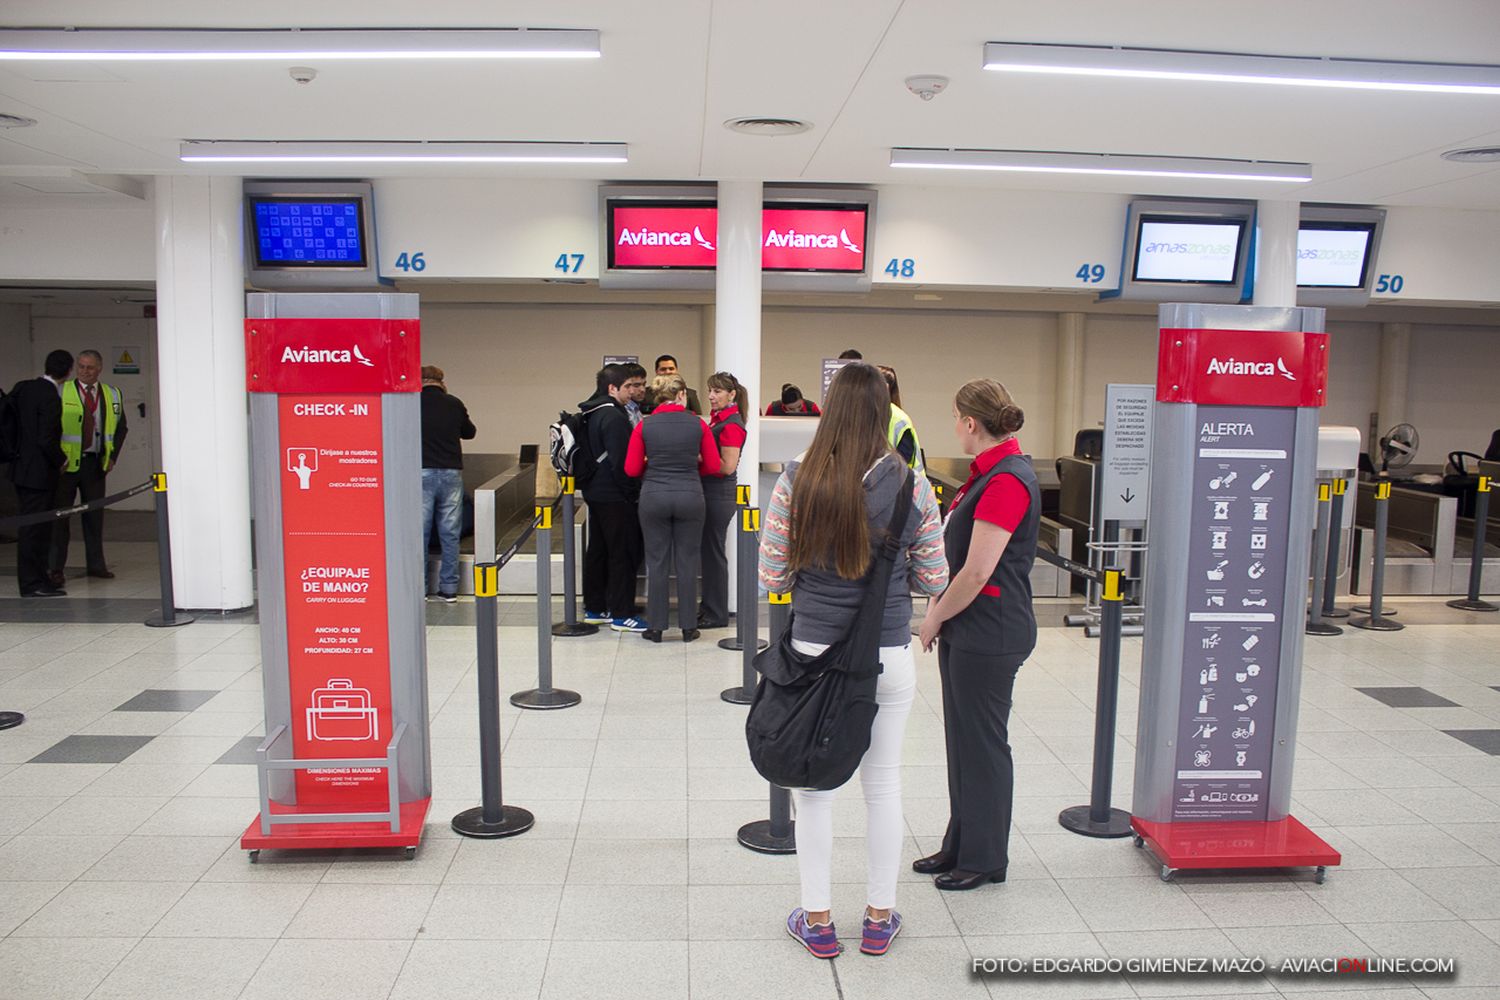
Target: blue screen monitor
313,232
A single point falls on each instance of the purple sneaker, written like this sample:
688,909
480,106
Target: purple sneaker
879,934
819,939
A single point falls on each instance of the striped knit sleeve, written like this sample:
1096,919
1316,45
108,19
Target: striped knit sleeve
929,562
776,539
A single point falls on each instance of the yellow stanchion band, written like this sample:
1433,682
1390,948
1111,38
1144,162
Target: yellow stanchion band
567,484
545,514
750,519
937,490
1325,493
1112,585
1383,491
1340,486
486,581
742,495
1484,484
776,598
159,482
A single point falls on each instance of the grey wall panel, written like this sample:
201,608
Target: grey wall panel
401,418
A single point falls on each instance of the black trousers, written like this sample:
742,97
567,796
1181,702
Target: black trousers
719,506
33,541
87,484
673,527
981,775
612,558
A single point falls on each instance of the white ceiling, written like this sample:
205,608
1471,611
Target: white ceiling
673,70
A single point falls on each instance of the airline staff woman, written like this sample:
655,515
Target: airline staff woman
673,449
726,401
984,629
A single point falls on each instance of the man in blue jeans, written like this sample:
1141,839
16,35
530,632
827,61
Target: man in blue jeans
445,422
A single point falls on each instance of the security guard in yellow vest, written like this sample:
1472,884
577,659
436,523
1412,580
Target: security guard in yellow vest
93,432
901,432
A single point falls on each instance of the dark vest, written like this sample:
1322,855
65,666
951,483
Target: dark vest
672,442
722,485
996,625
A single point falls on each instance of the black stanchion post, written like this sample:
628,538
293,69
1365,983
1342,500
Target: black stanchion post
1331,570
776,835
1321,537
169,618
1374,619
570,625
1476,557
492,818
1098,818
749,605
744,576
544,696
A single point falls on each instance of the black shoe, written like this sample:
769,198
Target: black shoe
959,880
46,592
689,634
710,623
652,635
57,579
102,574
934,864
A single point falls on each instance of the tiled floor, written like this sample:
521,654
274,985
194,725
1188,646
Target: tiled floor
122,796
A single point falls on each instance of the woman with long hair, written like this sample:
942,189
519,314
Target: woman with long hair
902,432
726,402
673,449
827,516
984,629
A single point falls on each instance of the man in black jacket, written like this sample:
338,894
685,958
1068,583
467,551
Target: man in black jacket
615,549
38,468
445,422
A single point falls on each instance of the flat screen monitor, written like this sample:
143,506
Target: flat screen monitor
814,238
1334,254
665,235
308,231
1188,250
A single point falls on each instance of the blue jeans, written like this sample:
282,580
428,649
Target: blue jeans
443,492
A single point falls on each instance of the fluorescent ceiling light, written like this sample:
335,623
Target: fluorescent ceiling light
207,45
1027,161
208,151
1226,67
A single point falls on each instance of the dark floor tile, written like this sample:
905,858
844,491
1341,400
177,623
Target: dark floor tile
242,752
1408,697
91,750
156,700
1487,740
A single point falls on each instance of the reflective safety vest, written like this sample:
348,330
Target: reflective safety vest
106,418
901,425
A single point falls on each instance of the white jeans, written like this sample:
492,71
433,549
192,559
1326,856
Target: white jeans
880,776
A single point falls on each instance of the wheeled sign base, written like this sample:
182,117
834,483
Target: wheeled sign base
1284,843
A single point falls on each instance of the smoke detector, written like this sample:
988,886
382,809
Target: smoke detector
927,86
767,126
1476,154
15,121
303,74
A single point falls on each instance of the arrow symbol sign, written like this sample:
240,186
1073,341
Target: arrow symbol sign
1128,495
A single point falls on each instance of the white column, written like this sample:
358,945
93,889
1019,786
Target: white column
1391,393
1276,253
200,331
1067,413
737,309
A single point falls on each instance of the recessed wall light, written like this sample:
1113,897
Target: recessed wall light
207,45
292,151
1031,161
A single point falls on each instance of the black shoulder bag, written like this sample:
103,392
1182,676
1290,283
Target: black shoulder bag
809,724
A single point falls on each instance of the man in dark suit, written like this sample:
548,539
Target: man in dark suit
38,468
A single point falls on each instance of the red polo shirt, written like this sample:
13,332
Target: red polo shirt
1006,499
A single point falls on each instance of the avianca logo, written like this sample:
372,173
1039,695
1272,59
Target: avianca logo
1261,368
313,355
815,241
644,237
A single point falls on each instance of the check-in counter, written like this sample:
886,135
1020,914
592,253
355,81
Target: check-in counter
1419,541
503,489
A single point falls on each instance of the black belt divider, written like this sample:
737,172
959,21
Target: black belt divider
748,642
493,818
1373,616
544,696
746,555
169,618
1322,537
1098,818
1336,532
1476,557
776,835
570,625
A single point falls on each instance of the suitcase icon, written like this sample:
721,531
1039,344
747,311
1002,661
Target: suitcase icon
341,711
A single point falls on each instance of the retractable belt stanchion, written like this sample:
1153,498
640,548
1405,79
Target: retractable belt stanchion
744,579
1374,619
1336,533
1321,537
1476,558
749,608
570,625
1098,818
544,696
169,618
493,818
776,835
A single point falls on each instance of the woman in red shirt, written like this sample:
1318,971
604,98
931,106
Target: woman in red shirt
726,401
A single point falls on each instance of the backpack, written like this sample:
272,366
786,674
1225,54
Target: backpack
809,723
569,448
10,427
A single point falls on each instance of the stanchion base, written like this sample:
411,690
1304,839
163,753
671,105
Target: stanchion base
543,700
1373,624
160,621
1336,613
1322,628
734,643
10,720
513,820
577,628
1078,820
1365,609
1464,604
736,696
758,837
1075,621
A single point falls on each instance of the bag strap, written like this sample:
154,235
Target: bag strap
867,620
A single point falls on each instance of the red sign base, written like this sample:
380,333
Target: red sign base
332,836
1283,844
